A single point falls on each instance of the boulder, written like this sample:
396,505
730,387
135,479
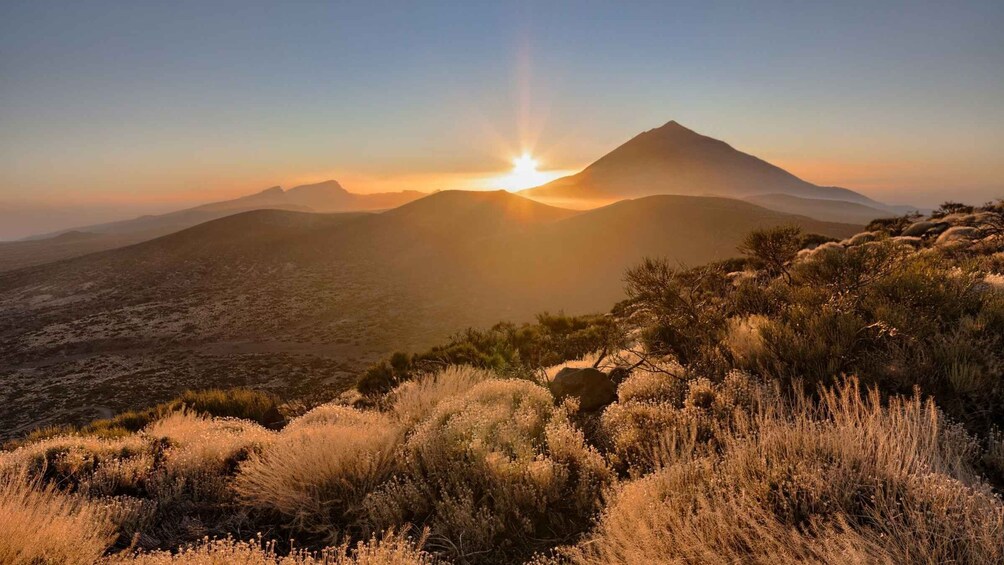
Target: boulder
938,229
593,388
925,227
918,228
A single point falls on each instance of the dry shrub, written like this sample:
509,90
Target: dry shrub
657,415
653,387
68,460
390,549
194,458
743,338
181,450
995,281
171,481
993,457
40,525
494,473
844,480
332,414
320,467
415,400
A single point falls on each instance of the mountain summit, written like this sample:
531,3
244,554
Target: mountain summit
673,159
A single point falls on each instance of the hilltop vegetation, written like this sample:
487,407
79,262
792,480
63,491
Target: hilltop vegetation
809,401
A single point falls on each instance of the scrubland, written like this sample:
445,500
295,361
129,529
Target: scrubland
811,401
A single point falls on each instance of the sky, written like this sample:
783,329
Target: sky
111,109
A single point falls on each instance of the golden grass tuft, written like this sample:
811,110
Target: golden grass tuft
389,549
844,480
415,400
493,473
743,338
320,467
41,525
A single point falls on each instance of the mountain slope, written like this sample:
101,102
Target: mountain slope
675,160
577,264
297,301
21,254
826,210
325,197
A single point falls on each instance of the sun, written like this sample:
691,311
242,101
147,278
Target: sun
524,174
524,165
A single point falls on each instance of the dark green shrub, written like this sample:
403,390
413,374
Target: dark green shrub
247,404
505,348
950,207
893,226
772,249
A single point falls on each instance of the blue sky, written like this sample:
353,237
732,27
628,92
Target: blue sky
154,104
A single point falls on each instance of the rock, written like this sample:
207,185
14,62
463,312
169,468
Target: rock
273,419
593,388
618,374
922,227
958,233
938,229
918,228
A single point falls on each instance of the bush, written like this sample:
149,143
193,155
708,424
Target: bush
495,472
257,406
682,312
772,249
844,480
414,401
171,480
320,467
655,421
893,226
504,348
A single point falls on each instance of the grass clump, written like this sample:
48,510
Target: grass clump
389,549
257,406
494,473
840,480
318,470
42,525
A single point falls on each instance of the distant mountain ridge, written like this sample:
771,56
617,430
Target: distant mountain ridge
323,197
326,196
821,209
673,159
